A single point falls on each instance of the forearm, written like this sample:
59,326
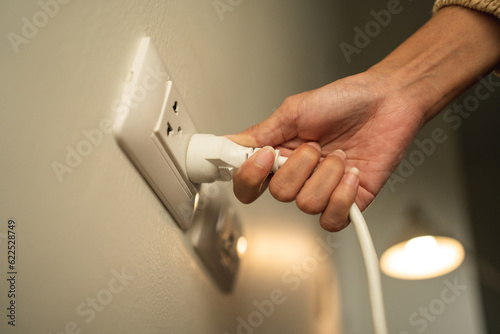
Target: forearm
442,59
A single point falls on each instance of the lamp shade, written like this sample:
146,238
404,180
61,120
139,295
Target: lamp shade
422,257
423,253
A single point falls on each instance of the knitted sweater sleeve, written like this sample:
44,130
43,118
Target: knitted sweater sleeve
486,6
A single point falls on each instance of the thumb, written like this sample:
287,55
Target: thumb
274,130
252,178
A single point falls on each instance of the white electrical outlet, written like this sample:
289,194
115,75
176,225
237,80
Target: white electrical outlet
153,127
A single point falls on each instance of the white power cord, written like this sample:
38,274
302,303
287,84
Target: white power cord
372,270
212,158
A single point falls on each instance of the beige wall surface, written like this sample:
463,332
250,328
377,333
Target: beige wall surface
97,252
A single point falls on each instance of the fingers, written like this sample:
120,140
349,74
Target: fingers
315,195
317,187
335,217
252,178
288,181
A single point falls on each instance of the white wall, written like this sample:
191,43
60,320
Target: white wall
77,232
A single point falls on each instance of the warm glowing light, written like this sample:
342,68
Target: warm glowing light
242,245
422,257
196,201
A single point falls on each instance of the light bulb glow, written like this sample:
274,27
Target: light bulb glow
196,201
422,257
242,245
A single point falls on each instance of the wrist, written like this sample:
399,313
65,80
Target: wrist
411,85
441,60
399,86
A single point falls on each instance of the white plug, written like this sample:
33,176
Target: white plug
212,158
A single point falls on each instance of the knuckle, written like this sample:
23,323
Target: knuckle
310,152
333,223
335,218
281,192
334,165
289,101
309,204
334,160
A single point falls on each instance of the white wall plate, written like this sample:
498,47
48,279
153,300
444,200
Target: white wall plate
154,128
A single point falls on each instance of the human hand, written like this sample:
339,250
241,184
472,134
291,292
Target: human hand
359,121
372,117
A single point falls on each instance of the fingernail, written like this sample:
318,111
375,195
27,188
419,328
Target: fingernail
265,156
315,145
339,153
352,177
